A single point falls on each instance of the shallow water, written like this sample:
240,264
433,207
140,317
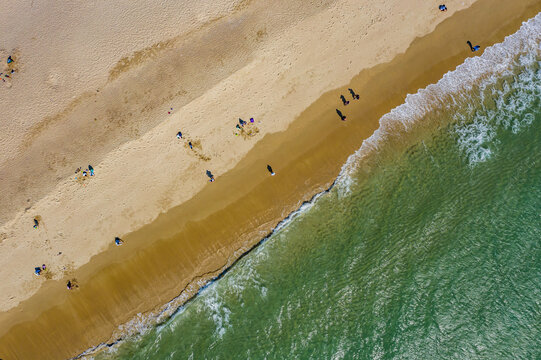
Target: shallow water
434,252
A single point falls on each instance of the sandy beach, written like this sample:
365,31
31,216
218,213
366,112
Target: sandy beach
112,91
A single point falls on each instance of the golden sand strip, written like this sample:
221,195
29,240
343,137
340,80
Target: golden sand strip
269,60
203,235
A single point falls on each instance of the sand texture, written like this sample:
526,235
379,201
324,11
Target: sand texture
95,89
267,61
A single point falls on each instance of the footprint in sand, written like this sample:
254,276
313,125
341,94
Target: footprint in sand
54,79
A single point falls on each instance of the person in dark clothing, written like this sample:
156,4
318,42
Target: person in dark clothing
344,100
473,48
179,135
342,116
443,8
118,241
211,177
190,144
36,223
353,95
270,170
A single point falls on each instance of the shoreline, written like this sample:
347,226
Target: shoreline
305,182
171,308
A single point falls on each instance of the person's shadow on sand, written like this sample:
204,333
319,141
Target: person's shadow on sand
342,116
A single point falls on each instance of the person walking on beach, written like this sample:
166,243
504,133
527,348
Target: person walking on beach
72,284
118,241
190,145
443,7
473,48
270,170
91,169
342,116
344,101
353,95
179,135
36,223
211,177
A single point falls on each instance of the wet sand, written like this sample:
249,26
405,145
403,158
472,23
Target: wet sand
205,234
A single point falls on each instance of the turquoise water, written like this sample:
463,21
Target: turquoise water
433,251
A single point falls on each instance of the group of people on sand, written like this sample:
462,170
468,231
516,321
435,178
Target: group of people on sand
39,269
89,171
86,172
346,102
244,128
356,96
190,145
9,70
242,124
179,136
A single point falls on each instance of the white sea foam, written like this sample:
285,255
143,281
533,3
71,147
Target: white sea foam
219,312
520,49
512,110
474,140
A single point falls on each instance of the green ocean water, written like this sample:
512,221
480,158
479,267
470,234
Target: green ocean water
433,252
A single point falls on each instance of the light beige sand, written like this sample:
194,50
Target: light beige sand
263,60
209,118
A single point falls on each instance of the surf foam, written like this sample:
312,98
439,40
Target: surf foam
452,91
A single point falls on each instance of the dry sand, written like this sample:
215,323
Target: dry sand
266,61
